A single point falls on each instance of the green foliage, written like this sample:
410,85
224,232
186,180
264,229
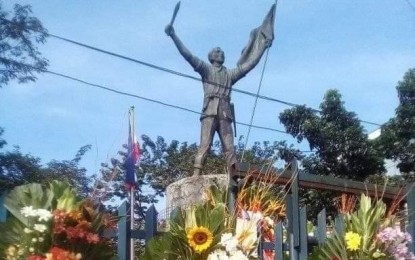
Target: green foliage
2,141
366,221
65,197
27,195
340,145
17,169
112,185
58,197
162,163
211,214
20,33
397,140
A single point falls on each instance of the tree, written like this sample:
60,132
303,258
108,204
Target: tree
340,145
17,169
2,141
397,139
111,187
162,164
19,36
71,172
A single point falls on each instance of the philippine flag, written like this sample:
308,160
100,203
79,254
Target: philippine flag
133,154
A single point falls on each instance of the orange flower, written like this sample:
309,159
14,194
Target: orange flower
56,253
76,215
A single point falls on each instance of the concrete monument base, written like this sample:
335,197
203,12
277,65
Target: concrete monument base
189,191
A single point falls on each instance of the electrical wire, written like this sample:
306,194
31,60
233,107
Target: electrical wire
411,5
255,104
141,97
156,67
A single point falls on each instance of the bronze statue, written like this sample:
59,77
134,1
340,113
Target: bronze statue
217,81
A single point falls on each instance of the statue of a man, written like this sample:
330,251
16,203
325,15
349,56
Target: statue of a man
217,85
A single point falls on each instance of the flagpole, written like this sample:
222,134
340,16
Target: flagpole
132,199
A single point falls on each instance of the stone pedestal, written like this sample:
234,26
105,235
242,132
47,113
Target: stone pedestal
189,191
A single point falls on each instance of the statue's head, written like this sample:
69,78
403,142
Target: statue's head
216,55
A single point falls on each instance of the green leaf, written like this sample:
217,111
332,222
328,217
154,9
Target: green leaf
65,196
27,195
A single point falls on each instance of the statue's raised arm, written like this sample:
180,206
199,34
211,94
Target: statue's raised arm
184,51
169,30
259,40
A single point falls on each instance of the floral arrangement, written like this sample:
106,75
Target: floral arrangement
369,234
208,230
261,205
53,223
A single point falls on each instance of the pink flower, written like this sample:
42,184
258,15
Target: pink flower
92,238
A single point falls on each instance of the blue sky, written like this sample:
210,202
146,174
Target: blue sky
361,48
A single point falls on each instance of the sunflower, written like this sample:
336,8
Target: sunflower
199,238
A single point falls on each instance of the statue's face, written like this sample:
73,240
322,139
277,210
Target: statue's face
217,56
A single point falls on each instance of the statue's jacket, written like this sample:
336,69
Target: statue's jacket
217,87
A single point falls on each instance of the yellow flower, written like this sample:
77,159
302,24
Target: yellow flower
352,240
199,238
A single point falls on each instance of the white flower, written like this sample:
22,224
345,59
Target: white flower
27,231
218,254
34,240
269,221
229,241
225,237
255,216
238,255
246,232
43,214
31,249
28,211
40,227
41,239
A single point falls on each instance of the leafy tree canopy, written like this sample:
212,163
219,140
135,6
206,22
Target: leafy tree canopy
163,163
17,169
20,33
339,142
397,139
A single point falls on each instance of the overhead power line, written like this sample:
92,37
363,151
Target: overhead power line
154,101
411,5
156,67
141,97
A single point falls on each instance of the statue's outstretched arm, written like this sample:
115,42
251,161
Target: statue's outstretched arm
254,59
180,46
